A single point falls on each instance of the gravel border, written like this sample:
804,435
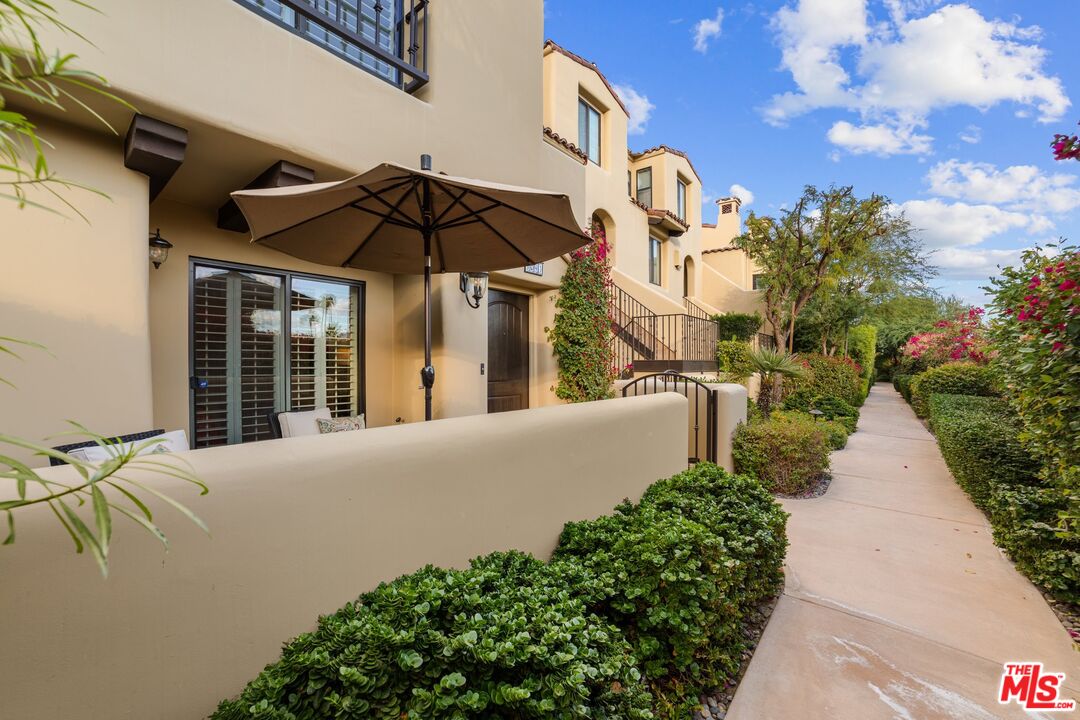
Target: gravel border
714,706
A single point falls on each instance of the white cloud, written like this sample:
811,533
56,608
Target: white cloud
972,134
742,193
878,139
707,30
950,225
973,263
638,106
1017,187
896,72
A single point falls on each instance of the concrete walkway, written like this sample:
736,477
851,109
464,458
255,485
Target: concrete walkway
897,603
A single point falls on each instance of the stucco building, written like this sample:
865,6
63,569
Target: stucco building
229,94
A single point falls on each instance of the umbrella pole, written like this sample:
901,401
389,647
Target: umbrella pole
427,375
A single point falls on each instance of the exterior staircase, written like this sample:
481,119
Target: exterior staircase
647,342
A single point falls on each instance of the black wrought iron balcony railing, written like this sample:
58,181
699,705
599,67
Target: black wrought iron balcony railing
388,38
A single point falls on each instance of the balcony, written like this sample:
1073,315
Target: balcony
387,38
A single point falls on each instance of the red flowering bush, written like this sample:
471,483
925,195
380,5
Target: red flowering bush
1038,332
581,336
961,339
1066,147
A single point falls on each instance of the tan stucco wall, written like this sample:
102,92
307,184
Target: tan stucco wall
301,526
78,287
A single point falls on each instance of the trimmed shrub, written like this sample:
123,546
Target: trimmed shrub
902,383
733,357
838,377
737,326
978,437
834,408
788,456
962,378
502,639
836,433
677,573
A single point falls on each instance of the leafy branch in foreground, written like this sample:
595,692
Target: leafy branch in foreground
106,488
32,75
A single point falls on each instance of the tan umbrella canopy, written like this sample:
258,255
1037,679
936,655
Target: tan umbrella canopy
400,220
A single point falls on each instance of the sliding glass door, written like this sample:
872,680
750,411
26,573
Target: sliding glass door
250,357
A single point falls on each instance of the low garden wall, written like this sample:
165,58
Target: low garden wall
300,527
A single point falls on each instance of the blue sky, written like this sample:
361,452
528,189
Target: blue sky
948,109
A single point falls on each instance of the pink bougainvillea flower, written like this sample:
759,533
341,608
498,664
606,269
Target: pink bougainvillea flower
1058,346
1067,285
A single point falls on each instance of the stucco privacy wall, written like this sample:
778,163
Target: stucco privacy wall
301,526
78,287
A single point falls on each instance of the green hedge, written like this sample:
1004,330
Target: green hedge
862,347
838,377
662,586
502,639
737,326
960,378
902,383
787,456
978,437
733,357
833,408
677,573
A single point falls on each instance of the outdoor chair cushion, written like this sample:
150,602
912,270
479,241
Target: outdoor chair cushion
297,424
343,424
174,441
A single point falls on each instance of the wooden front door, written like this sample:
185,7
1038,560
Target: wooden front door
508,351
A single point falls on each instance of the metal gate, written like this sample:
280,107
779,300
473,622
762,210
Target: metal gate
701,401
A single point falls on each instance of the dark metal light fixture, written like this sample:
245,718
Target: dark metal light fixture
159,249
816,414
474,285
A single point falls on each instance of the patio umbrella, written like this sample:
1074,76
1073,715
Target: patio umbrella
396,219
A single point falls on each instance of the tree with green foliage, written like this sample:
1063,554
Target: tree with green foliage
818,242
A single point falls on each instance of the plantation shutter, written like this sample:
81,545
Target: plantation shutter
237,350
324,347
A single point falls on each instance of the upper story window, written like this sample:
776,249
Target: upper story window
680,198
654,261
758,281
388,38
589,130
644,186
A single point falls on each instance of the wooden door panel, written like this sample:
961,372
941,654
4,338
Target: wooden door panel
508,351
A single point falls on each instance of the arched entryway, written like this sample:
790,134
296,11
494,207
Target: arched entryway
689,288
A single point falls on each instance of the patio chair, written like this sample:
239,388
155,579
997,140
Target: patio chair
295,423
133,437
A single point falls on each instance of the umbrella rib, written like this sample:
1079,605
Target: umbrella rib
375,229
473,214
497,233
519,211
451,206
323,214
411,225
393,208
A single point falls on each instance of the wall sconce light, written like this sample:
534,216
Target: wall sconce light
159,249
473,286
